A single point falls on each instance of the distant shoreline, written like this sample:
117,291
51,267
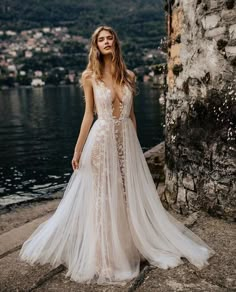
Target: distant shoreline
38,87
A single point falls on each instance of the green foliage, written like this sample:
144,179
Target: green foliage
23,80
72,48
7,80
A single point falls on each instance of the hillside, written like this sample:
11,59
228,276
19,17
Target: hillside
140,26
137,21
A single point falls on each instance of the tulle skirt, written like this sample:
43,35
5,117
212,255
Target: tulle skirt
111,217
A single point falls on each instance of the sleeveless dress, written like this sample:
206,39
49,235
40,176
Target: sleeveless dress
110,216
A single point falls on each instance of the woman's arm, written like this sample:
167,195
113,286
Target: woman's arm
132,114
87,118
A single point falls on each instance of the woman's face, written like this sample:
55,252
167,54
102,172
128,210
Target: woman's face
105,42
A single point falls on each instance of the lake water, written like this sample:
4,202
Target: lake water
39,128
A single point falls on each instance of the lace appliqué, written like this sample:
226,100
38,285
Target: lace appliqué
118,130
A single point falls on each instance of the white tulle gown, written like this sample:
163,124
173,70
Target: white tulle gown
110,216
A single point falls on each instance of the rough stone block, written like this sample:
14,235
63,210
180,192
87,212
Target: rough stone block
182,202
175,51
214,4
232,31
170,197
210,21
179,83
193,200
228,16
188,182
171,181
177,20
209,190
232,43
223,189
215,32
230,51
181,197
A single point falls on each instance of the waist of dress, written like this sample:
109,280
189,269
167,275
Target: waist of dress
114,119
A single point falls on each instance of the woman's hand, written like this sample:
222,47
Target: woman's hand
75,160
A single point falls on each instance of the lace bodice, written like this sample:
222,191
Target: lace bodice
105,108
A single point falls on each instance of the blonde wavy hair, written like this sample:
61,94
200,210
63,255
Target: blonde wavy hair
96,64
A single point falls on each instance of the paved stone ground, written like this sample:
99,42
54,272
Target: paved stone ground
16,275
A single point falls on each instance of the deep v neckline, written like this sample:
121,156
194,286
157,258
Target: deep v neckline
108,88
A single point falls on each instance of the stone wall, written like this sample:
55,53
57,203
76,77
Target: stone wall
201,107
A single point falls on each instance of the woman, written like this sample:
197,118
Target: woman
110,217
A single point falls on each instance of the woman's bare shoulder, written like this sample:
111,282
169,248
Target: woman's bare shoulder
86,77
131,74
87,74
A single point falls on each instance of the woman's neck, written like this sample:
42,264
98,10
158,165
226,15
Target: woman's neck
108,67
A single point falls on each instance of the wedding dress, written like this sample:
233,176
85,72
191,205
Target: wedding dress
110,216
